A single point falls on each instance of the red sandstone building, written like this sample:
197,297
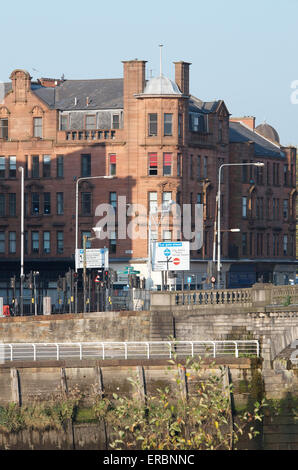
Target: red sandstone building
161,144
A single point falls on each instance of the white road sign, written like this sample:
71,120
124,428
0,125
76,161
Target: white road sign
170,256
95,258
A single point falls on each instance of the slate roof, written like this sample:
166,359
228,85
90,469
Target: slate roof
263,148
205,107
102,94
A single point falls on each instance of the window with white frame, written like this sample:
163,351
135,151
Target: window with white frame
46,242
166,199
35,242
60,242
167,235
153,202
37,127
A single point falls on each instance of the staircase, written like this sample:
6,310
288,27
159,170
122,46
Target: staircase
161,326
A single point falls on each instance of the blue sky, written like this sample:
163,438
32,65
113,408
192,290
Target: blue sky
245,53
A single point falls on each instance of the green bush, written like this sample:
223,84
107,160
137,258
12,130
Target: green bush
177,421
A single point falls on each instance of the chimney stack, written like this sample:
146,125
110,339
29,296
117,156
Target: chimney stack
248,121
182,76
134,76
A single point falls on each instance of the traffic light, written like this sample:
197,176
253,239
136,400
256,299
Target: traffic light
106,276
13,282
75,277
59,283
113,276
28,280
100,275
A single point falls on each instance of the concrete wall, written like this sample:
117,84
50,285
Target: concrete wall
278,432
102,326
112,376
275,328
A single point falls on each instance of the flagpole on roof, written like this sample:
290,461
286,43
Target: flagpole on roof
160,59
160,65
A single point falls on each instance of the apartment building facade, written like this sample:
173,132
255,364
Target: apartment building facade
263,204
157,141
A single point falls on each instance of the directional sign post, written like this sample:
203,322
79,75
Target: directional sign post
170,256
95,258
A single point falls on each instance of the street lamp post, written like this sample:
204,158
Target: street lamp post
258,164
21,170
233,230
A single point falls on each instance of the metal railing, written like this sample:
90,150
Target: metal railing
213,297
126,350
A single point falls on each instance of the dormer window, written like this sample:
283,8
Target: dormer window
90,121
197,122
116,121
4,129
37,127
63,122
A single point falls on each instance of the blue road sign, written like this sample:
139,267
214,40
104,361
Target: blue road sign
167,252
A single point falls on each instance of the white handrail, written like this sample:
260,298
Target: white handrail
11,352
123,350
57,346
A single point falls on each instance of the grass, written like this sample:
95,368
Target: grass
84,415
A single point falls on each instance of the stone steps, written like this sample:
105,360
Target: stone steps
161,326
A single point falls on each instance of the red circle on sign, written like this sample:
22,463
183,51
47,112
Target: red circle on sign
176,261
